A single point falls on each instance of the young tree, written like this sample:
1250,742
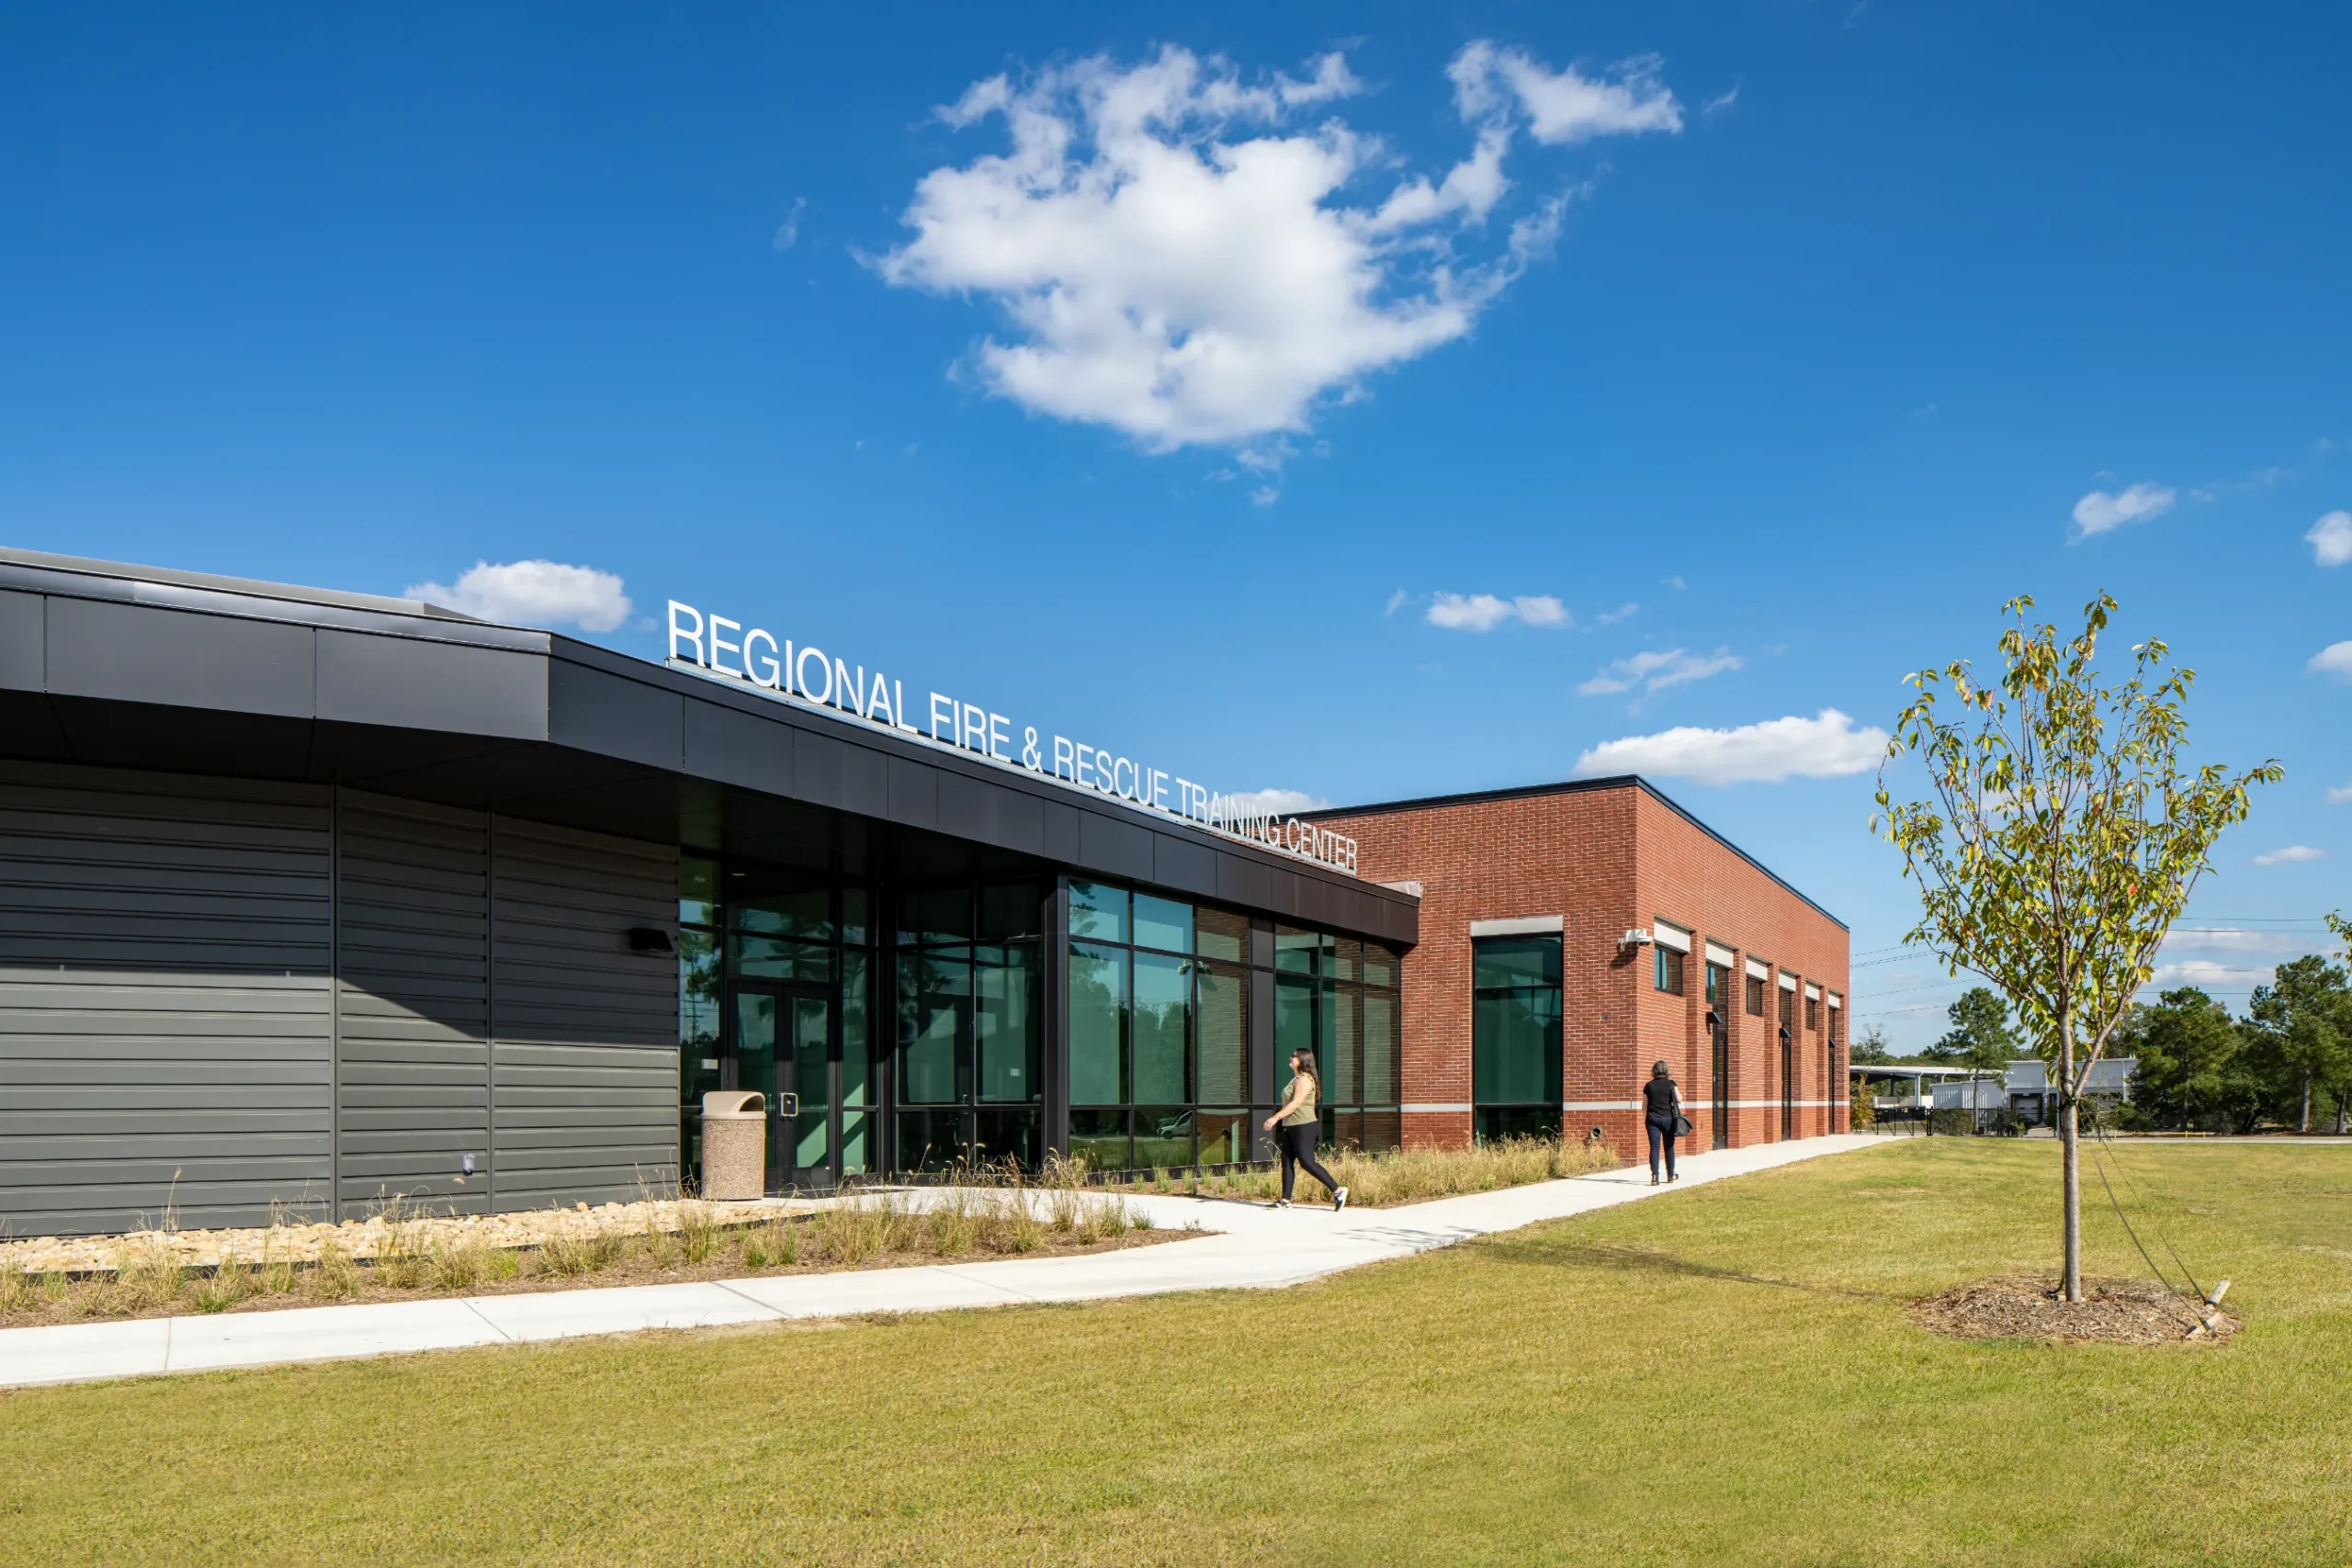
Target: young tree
1870,1050
1981,1035
2063,834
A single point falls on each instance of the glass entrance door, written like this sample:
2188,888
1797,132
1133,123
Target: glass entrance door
783,1043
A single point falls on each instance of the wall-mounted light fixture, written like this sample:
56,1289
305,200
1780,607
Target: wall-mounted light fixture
651,938
1638,937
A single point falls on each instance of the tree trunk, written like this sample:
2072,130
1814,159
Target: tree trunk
2069,1134
2306,1124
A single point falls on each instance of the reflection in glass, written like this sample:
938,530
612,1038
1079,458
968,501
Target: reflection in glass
1294,1020
1220,933
780,901
857,1148
931,1140
1515,1021
1346,956
1224,1137
857,925
1097,912
1164,1136
756,1027
1163,923
1007,1023
1343,1030
1098,1016
1162,1015
771,958
1012,911
1494,1123
857,1041
1099,1138
810,1077
1221,1031
935,1000
936,914
1379,966
698,890
1013,1135
1297,951
1380,1048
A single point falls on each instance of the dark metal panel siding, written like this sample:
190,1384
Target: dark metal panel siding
444,686
989,813
915,792
138,654
1180,863
738,748
592,711
413,1063
22,640
1114,848
586,1054
164,999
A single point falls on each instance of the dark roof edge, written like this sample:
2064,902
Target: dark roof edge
252,587
1577,786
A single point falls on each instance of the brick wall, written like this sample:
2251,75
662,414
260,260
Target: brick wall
1604,857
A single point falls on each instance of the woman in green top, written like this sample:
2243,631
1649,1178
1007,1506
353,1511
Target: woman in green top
1295,1127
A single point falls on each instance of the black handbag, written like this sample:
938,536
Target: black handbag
1681,1125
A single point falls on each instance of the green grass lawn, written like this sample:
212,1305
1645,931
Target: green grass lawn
1722,1375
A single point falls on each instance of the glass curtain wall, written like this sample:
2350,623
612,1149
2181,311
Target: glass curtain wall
971,1079
1515,1036
1159,1028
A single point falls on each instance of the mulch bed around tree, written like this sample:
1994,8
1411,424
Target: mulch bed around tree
2115,1311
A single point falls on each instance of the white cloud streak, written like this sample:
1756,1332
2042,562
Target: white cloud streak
2331,540
2100,512
1279,802
2293,854
1622,612
1485,612
2334,659
531,593
787,233
1176,265
1827,745
2206,974
1657,671
2339,794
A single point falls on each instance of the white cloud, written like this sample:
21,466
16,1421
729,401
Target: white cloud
1675,582
2232,939
2339,796
1657,671
1397,601
1564,106
531,593
1485,612
1823,747
2098,512
2207,974
2336,659
2331,540
1611,617
1278,802
1721,102
787,233
2293,854
1177,264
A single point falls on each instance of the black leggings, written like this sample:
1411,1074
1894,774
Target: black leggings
1298,1144
1661,1131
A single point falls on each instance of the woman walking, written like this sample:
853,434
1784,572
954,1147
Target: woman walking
1295,1127
1662,1114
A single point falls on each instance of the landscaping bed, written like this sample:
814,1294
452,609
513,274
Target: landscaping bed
1396,1175
665,1242
2120,1311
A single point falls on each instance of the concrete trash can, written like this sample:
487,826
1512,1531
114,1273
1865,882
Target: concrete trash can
734,1144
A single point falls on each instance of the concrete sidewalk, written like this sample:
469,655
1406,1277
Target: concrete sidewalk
1245,1246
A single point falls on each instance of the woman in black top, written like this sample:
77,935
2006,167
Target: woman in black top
1661,1106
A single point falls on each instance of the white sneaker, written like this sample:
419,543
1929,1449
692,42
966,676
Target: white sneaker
1339,1199
1282,1202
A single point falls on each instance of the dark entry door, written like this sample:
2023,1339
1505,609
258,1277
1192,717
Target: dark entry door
784,1041
1722,1085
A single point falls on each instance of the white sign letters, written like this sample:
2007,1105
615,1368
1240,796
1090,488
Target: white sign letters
713,645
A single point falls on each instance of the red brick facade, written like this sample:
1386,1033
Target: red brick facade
1606,857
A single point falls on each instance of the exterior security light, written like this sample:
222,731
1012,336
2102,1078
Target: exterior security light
651,938
1637,937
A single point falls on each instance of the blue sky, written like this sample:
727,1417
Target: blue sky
1308,422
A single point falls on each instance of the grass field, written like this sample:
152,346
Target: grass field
1720,1375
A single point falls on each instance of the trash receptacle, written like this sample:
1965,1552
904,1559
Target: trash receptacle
734,1144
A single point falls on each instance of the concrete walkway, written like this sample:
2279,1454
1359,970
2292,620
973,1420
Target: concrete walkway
1244,1247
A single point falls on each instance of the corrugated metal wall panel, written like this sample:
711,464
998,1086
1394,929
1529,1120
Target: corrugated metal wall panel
586,1089
164,1014
412,1079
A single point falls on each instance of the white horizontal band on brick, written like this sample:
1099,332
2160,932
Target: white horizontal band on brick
1718,953
1788,982
1601,1105
1811,993
1757,971
1668,934
1426,1110
1524,925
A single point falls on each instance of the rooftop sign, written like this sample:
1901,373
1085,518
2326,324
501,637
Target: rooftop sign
714,645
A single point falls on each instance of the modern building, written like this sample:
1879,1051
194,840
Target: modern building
316,897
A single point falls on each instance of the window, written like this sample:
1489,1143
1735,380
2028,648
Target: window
1812,1013
1160,1029
1716,978
971,1031
1669,975
1756,996
1788,1007
1515,1035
